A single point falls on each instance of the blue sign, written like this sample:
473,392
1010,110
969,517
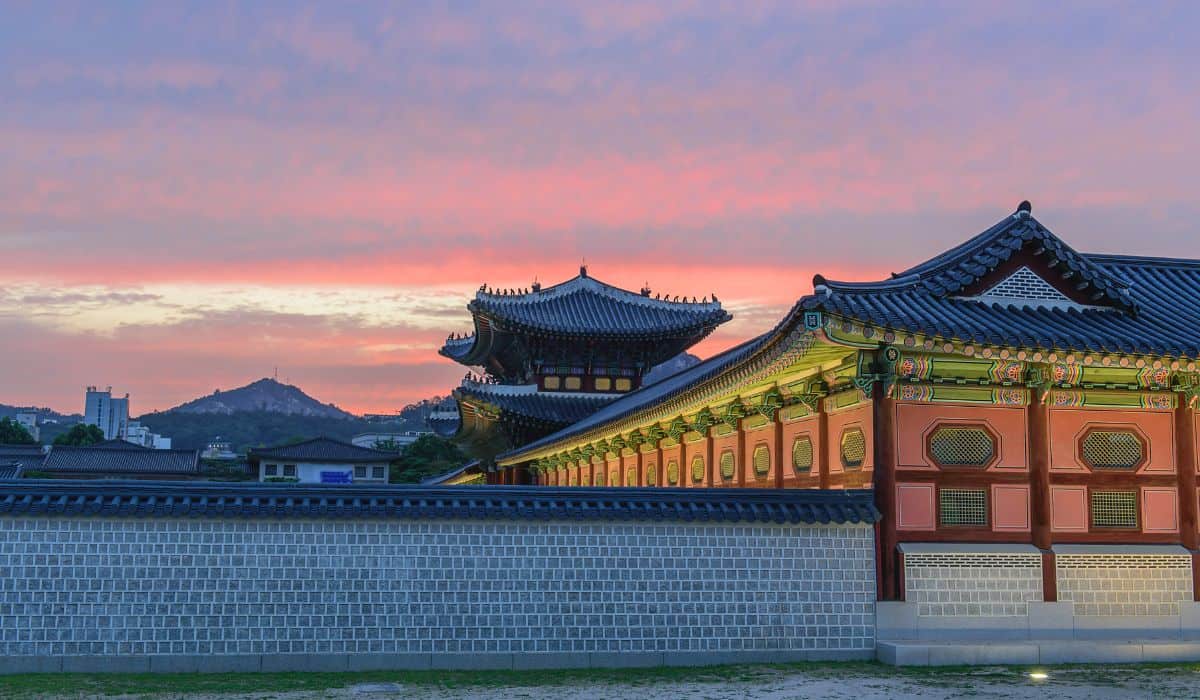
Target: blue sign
336,478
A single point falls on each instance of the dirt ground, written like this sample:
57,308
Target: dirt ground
1090,683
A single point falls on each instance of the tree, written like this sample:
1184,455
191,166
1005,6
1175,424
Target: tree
80,435
13,433
428,456
388,445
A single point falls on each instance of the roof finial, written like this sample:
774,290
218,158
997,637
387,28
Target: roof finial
537,286
646,289
583,267
1025,207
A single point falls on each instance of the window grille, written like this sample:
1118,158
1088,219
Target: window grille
802,454
1112,449
672,472
728,465
651,474
624,385
598,479
1116,509
614,477
603,384
854,448
961,446
698,469
762,460
573,481
377,472
631,476
962,507
573,383
360,472
551,383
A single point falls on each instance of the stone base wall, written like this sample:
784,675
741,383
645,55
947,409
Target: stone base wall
1109,585
976,584
79,587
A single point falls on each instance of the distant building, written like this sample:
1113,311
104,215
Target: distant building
322,461
140,435
102,410
29,421
118,459
400,439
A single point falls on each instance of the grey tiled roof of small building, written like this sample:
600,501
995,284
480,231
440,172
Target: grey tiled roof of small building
114,459
19,458
33,497
322,449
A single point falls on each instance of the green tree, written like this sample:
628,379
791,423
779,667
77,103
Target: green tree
13,433
388,445
80,435
428,456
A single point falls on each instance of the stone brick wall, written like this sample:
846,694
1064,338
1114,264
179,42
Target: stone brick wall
79,586
972,584
1124,584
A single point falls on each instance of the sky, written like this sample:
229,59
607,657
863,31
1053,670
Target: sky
195,194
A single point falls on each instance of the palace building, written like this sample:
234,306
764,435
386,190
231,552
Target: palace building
1017,406
553,356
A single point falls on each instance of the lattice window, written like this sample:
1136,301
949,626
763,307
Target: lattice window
672,472
1111,449
1025,284
1114,509
573,481
961,446
762,461
631,476
962,507
728,465
598,478
651,474
854,448
698,469
802,454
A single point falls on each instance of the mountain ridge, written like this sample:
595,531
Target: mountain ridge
264,395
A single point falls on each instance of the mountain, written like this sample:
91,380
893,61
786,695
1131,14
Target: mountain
263,396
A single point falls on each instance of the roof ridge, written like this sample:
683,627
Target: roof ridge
581,283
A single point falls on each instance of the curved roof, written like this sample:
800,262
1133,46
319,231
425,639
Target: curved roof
111,457
526,401
1140,306
582,307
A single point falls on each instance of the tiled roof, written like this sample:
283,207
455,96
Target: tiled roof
525,400
322,449
15,459
1144,306
114,459
586,306
205,499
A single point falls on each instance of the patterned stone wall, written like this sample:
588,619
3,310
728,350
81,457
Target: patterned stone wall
1124,584
164,586
972,584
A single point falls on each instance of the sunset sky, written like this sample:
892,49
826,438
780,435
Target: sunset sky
194,194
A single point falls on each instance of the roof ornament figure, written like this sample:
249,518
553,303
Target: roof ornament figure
1024,208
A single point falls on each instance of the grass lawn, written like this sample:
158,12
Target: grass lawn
963,678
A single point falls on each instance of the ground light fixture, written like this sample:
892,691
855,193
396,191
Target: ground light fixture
1038,676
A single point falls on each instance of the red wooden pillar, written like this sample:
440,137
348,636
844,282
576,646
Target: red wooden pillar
709,467
1038,419
741,455
640,478
821,454
884,420
780,461
1185,470
661,477
685,467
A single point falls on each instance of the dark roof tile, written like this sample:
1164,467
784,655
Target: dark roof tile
323,449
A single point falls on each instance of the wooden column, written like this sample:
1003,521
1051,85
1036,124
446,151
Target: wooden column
884,429
640,479
710,468
821,454
685,468
661,477
780,461
1185,470
1037,416
740,461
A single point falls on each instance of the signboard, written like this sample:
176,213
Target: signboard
336,478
